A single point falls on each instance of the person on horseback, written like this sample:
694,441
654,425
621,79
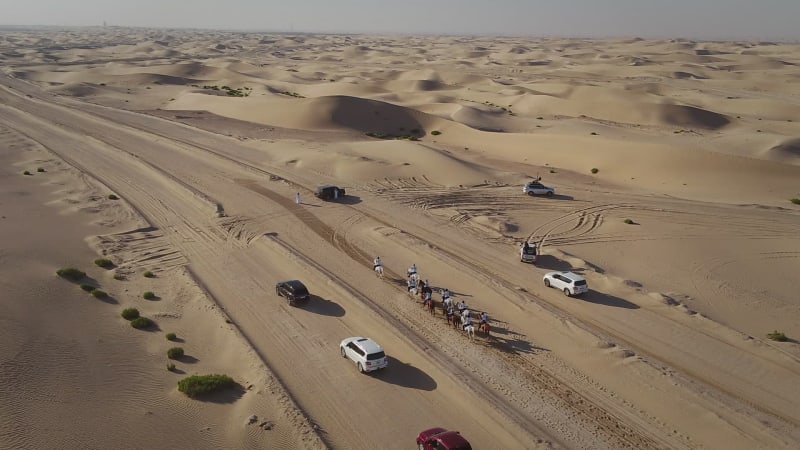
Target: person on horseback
412,285
412,270
484,318
466,322
377,262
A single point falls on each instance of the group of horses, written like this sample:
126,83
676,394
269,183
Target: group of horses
457,315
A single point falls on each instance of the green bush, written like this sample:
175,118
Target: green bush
103,262
149,274
629,221
148,295
595,170
175,352
130,313
171,367
112,197
796,201
777,336
593,133
27,172
97,293
88,287
40,169
141,322
119,276
171,336
436,132
197,385
71,274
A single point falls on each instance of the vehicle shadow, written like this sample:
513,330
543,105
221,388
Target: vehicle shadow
324,307
405,375
608,300
550,262
350,200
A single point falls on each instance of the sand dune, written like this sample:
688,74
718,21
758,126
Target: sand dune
673,162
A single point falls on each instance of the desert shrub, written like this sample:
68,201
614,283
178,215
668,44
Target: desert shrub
88,287
97,293
436,132
149,295
595,170
71,274
141,322
119,276
130,313
197,385
103,262
552,171
593,133
112,197
40,169
777,336
171,367
171,336
629,221
175,352
540,118
796,201
149,274
27,172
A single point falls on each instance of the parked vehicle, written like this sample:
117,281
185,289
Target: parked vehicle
537,188
329,192
365,352
571,283
441,439
528,252
293,291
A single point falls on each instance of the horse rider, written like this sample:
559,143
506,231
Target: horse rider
376,263
484,318
411,284
445,294
466,322
412,270
461,306
466,313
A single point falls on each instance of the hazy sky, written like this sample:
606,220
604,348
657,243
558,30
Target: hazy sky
699,19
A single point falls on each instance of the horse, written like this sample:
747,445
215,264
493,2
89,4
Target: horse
484,326
449,314
470,330
414,276
379,271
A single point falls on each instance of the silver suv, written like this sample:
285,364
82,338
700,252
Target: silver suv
537,188
570,283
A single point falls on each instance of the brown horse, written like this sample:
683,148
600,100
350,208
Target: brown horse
484,326
431,307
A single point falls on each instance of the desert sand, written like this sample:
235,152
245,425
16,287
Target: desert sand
674,163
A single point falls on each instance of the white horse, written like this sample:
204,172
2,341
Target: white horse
414,276
379,271
470,330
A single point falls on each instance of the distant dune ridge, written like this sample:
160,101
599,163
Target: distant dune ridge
190,159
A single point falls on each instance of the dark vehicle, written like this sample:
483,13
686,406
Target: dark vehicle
329,192
441,439
527,253
294,291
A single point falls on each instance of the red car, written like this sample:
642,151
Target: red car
441,439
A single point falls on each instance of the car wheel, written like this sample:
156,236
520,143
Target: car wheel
341,350
360,368
547,282
566,292
549,193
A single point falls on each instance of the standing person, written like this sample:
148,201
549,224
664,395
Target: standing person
297,198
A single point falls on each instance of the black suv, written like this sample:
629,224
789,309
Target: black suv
328,192
294,291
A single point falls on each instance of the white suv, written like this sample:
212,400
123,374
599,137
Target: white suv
365,352
537,188
570,283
